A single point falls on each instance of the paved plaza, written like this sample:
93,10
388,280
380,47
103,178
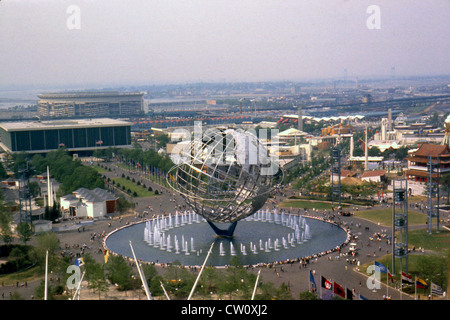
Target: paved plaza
334,267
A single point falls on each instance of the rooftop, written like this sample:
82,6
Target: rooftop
373,173
95,195
87,94
61,124
432,150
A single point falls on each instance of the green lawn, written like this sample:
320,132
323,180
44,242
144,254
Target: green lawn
140,191
386,260
308,204
124,166
439,242
21,276
384,216
156,179
99,169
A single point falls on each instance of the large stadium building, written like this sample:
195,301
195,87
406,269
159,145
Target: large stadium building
74,135
90,104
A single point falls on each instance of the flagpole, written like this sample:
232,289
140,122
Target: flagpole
77,291
46,272
256,285
144,282
320,286
401,283
310,290
387,284
201,270
415,287
164,289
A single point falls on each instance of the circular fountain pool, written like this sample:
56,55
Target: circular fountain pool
258,239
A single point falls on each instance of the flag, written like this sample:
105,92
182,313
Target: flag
350,294
436,290
406,279
106,256
383,269
421,283
337,289
79,262
390,275
326,283
311,280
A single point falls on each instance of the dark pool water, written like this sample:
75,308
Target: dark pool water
324,236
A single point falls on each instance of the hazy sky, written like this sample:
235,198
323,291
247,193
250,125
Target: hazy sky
172,41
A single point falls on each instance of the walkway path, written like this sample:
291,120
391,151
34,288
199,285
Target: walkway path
330,266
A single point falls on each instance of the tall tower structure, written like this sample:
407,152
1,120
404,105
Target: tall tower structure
366,152
300,119
432,191
389,128
384,129
446,139
24,195
49,189
336,173
400,223
352,146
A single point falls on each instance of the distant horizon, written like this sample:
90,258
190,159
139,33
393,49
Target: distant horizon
116,86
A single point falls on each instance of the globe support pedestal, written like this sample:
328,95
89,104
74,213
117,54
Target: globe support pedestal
227,233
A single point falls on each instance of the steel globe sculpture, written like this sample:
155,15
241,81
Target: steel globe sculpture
225,176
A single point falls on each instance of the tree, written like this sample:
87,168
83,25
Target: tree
268,291
72,174
52,213
119,273
358,152
307,295
433,268
3,174
180,279
95,275
374,152
401,153
445,184
24,231
237,280
124,204
162,140
56,264
34,188
209,281
6,217
154,285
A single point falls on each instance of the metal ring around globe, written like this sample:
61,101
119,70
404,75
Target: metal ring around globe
223,177
169,182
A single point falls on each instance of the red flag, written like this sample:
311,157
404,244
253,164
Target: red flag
339,290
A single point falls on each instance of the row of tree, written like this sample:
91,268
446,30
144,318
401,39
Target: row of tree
71,173
148,158
234,282
136,156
